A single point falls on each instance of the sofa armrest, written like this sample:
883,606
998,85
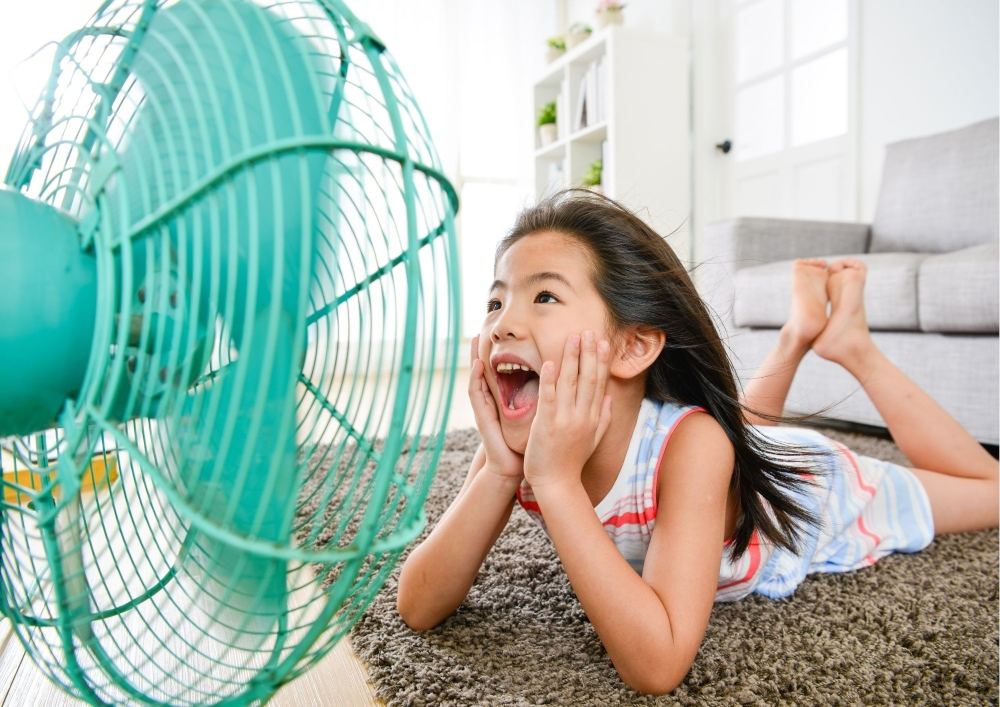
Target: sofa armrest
728,246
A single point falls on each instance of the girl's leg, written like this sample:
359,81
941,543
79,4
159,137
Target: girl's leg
767,389
961,478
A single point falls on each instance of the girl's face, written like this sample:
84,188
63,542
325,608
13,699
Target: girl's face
543,293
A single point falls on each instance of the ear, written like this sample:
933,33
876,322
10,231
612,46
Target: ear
637,350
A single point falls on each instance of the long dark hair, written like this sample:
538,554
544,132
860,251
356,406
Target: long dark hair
644,284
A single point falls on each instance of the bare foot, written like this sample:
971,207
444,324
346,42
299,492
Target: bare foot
808,314
846,334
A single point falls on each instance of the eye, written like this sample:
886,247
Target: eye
545,298
493,305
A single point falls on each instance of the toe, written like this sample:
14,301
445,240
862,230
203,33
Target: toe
811,262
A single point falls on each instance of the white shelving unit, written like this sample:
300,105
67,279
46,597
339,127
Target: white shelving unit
641,130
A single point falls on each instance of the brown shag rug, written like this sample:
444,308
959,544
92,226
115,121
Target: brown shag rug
913,629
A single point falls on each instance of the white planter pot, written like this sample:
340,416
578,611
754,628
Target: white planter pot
552,54
576,38
596,188
607,18
547,134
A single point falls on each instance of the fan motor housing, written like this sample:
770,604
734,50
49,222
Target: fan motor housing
47,309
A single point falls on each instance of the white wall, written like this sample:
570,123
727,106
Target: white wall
24,29
926,66
669,16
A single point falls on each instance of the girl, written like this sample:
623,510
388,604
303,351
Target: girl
609,411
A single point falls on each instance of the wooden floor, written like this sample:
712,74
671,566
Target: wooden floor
339,680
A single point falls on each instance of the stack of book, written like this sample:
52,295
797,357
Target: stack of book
592,96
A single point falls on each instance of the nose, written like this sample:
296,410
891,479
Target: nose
506,326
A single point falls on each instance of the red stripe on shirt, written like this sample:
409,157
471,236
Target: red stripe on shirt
663,450
754,549
527,505
849,455
629,518
870,490
870,534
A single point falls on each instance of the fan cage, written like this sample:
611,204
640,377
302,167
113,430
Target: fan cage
97,572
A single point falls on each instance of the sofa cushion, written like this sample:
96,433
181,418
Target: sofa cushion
939,193
958,292
763,292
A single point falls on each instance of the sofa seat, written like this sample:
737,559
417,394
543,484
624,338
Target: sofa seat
947,293
764,292
959,292
933,284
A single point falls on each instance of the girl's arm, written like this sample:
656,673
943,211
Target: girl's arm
439,572
651,626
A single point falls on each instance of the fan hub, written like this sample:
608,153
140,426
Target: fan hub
47,310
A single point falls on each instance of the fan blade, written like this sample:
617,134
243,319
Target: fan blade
220,203
239,466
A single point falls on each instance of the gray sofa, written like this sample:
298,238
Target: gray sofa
932,288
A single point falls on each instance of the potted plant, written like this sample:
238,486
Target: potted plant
592,179
578,32
557,47
547,124
609,12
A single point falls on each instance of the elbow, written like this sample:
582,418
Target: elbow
413,618
409,609
655,676
654,684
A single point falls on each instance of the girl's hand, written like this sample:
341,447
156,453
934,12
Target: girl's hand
500,459
572,415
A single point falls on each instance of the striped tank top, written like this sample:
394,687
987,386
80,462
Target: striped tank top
867,508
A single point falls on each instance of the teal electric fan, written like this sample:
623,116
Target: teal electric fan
228,337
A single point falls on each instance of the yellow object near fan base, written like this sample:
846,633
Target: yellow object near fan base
99,474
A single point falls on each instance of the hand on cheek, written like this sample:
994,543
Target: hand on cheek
573,413
500,459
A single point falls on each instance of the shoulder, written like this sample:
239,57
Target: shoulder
699,448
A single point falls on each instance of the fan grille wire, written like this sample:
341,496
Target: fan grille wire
377,347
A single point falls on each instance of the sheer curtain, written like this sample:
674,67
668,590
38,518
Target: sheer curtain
470,64
25,28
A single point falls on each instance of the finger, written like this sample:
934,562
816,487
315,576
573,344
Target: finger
546,386
480,396
484,409
603,371
569,370
588,372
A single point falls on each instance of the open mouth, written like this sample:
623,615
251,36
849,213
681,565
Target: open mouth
518,388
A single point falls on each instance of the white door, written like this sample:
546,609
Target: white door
789,97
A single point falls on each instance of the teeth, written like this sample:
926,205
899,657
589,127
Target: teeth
507,367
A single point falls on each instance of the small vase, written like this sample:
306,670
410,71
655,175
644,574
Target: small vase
610,16
552,54
547,134
596,188
575,38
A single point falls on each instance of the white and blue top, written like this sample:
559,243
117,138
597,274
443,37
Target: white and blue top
867,508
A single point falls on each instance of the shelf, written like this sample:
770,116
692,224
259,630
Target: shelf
585,51
591,133
637,82
551,151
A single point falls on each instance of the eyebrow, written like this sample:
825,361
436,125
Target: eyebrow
535,279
